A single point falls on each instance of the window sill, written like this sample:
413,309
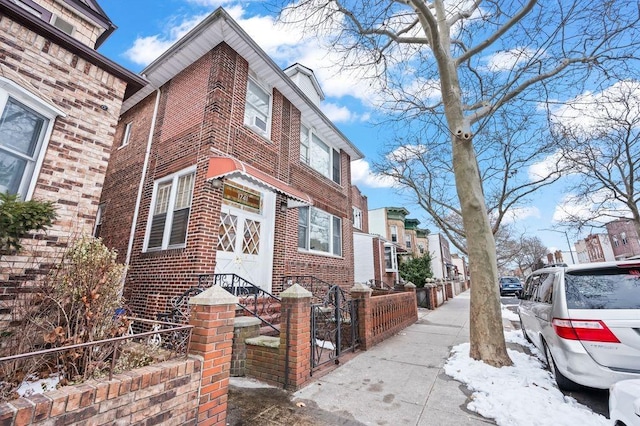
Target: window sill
162,252
324,177
319,253
258,132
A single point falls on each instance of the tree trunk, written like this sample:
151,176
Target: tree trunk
486,333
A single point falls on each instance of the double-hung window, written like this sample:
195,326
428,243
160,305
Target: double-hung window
407,241
25,127
318,155
357,218
257,112
394,234
171,205
319,231
390,258
126,136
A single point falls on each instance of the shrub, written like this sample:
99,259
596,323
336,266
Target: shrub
17,218
416,270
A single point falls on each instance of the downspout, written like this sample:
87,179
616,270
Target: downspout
143,176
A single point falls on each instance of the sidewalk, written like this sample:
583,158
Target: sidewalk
401,380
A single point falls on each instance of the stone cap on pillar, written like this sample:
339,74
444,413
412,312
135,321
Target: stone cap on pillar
361,288
214,296
296,291
409,285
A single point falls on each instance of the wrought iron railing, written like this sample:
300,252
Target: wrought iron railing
380,285
318,288
142,342
253,300
334,327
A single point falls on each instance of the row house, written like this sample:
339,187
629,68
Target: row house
595,248
224,163
441,264
59,106
624,238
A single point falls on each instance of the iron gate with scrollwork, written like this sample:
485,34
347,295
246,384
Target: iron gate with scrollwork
334,327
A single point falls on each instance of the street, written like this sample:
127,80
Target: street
596,399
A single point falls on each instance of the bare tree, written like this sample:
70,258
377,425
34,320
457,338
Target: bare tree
452,65
600,142
505,151
531,251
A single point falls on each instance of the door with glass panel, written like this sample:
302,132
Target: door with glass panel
241,245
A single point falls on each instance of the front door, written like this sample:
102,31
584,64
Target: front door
245,243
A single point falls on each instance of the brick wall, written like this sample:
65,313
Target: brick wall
162,394
75,161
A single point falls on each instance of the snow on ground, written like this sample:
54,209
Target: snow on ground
523,394
32,385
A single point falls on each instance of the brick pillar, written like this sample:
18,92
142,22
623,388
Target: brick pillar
449,289
212,315
411,288
363,294
295,335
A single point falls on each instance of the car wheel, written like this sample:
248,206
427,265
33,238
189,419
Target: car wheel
563,383
524,331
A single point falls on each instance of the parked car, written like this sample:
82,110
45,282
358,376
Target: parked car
585,319
510,285
624,403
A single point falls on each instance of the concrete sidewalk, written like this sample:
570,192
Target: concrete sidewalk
401,381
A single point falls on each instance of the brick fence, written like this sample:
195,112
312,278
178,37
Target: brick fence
191,391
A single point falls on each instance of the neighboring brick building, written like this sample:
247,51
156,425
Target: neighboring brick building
59,106
624,238
224,163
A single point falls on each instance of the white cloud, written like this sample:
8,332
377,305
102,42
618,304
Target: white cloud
146,49
362,175
507,60
600,202
545,167
406,153
519,214
593,110
342,114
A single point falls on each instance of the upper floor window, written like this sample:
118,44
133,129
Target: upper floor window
357,218
257,112
616,243
394,233
623,237
126,136
25,127
319,231
421,248
407,241
169,216
318,155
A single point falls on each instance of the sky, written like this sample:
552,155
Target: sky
146,28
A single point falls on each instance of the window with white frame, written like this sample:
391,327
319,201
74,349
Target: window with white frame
407,241
357,218
171,205
394,233
421,248
26,123
390,258
319,231
257,112
318,155
126,135
623,237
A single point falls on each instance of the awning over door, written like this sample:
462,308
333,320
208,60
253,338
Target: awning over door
228,167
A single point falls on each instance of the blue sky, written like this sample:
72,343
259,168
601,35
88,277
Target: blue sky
146,28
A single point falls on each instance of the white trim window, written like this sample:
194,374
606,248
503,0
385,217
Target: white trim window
407,241
169,217
318,155
357,218
126,136
319,231
26,123
394,233
99,220
390,258
257,111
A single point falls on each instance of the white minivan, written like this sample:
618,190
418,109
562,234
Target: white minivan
586,320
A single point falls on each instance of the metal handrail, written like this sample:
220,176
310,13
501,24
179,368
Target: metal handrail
244,289
318,288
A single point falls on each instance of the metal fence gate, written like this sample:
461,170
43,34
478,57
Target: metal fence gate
334,327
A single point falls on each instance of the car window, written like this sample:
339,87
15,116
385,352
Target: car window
530,287
511,280
545,290
607,288
537,291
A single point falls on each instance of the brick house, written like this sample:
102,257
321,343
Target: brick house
224,163
624,238
59,106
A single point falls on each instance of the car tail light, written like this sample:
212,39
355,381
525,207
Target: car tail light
587,330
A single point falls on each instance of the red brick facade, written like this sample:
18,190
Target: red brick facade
200,115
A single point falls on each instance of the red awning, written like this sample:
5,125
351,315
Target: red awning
226,166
